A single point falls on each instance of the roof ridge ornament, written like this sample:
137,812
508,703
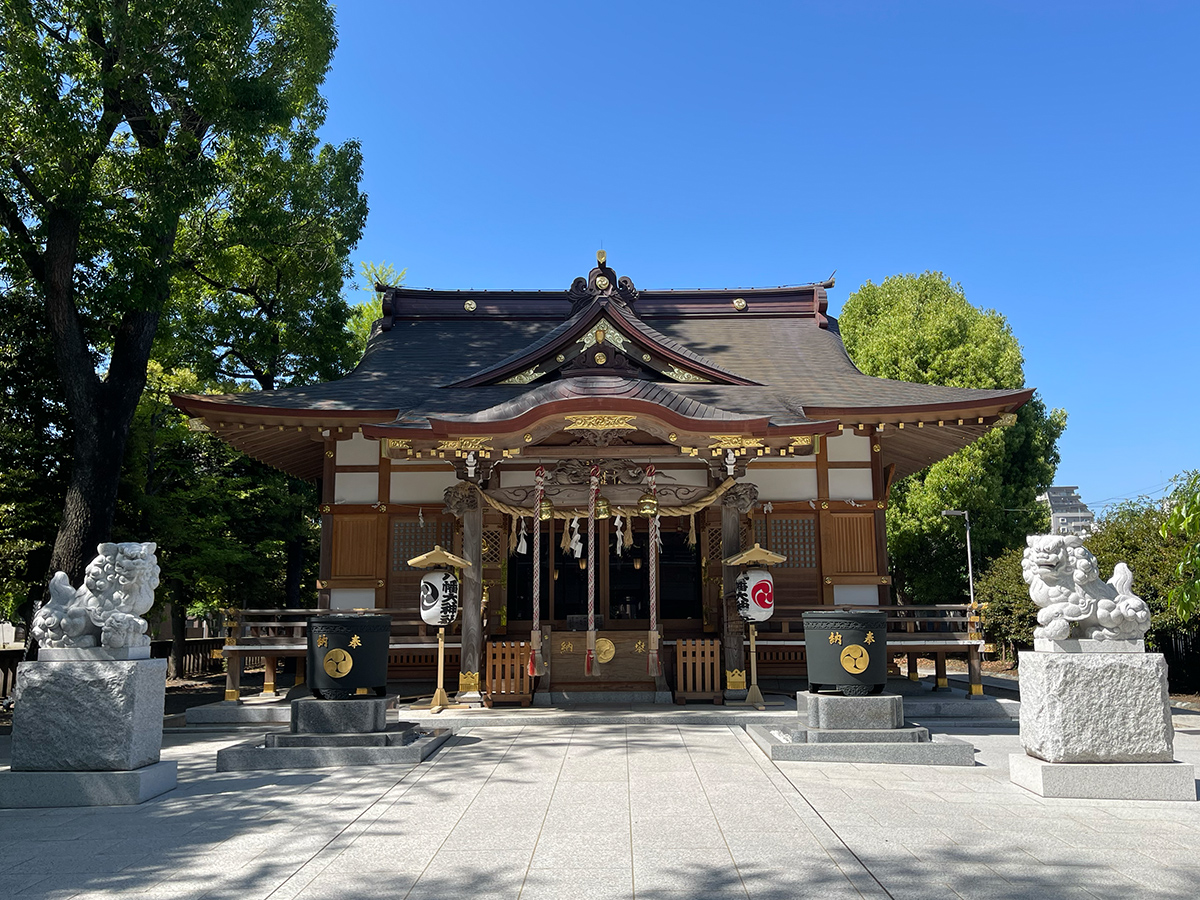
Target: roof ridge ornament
601,284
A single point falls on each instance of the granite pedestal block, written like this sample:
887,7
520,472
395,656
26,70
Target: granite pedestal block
313,716
83,716
36,790
835,711
1104,781
1083,707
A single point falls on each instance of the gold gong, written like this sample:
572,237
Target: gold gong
338,663
605,650
855,658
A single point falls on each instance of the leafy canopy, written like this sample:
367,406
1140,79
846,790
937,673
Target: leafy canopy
921,328
1182,523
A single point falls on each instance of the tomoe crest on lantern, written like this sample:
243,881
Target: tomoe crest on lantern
755,595
439,598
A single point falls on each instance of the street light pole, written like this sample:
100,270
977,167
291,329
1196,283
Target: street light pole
974,662
970,568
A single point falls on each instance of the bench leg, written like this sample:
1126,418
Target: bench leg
269,675
913,674
975,671
939,667
233,676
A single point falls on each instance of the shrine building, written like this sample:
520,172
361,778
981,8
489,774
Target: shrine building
491,422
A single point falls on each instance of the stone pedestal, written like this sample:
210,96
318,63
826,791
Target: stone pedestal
75,716
87,732
1096,724
835,728
313,716
1095,707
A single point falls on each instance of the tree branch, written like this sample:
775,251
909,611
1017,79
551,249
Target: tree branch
25,243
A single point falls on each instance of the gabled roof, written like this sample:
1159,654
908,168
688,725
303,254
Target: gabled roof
441,360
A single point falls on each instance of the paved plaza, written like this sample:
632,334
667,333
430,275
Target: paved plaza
608,811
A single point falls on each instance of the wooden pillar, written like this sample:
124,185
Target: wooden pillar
940,683
233,676
268,675
737,502
913,674
974,671
463,501
301,667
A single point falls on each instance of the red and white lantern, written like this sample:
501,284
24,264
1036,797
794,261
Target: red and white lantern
756,595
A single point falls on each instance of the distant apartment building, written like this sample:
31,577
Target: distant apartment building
1068,513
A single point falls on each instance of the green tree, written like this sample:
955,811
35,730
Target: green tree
1182,523
363,316
260,268
921,328
1009,616
111,112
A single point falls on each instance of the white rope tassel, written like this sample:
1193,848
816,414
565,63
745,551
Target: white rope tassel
618,523
576,539
522,547
653,666
537,664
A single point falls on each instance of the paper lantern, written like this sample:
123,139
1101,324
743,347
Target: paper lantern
439,598
755,595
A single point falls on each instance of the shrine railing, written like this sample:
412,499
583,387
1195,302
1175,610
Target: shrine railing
288,628
907,626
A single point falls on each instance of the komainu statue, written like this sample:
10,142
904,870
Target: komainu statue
1064,582
118,587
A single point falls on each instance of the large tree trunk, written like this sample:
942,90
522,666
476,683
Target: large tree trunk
179,604
293,573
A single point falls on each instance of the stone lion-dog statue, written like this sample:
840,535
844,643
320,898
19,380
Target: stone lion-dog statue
1064,582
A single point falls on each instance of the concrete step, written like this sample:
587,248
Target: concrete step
904,735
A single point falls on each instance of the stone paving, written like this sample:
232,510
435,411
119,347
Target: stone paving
607,811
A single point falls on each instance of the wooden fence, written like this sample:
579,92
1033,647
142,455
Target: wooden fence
198,659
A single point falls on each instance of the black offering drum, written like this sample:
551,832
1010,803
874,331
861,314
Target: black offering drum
348,655
846,650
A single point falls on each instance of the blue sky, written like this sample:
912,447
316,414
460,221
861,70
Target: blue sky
1043,155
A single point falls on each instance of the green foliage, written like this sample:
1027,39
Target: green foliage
1182,523
223,522
258,294
1009,616
363,316
921,328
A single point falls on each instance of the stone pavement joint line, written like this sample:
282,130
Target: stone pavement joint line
641,812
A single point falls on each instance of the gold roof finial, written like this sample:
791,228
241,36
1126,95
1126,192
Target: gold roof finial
601,257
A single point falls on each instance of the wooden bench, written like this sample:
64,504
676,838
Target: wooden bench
506,675
698,670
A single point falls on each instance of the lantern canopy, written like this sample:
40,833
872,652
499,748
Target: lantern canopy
755,595
439,598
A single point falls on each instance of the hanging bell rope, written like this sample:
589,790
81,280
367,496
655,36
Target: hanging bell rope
653,666
589,666
537,665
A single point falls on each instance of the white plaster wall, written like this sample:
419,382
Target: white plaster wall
850,484
421,486
515,477
351,598
697,477
358,451
855,594
848,447
356,487
782,482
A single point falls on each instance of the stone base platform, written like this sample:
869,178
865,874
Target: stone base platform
34,790
321,751
1103,781
354,716
902,735
939,751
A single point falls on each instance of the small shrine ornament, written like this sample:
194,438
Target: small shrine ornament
439,598
755,595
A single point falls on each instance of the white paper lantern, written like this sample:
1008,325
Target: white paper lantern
756,595
439,598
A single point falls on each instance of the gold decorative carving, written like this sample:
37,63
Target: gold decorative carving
739,304
672,437
802,440
1007,420
528,438
326,508
329,454
399,444
605,650
875,447
465,444
566,647
870,638
531,374
560,358
601,359
639,647
470,306
735,679
855,658
602,282
337,663
732,442
645,357
468,681
232,694
600,422
611,335
835,637
322,640
682,375
197,423
355,641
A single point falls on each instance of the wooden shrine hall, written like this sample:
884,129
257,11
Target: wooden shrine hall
549,436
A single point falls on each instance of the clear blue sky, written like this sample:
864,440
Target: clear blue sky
1045,155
